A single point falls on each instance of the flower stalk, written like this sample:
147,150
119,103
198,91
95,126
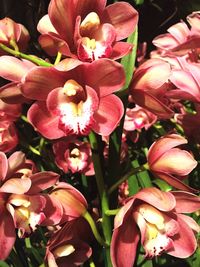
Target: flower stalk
33,59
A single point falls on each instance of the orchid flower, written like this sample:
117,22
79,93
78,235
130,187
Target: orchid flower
180,39
13,69
72,201
138,118
190,123
170,163
12,33
75,101
157,217
68,245
73,155
87,30
8,137
22,206
149,86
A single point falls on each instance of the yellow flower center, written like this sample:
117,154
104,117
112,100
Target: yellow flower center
89,43
75,95
154,220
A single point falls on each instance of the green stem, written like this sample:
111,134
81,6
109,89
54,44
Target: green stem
35,151
112,212
34,59
24,118
106,223
126,176
28,242
92,264
97,164
92,224
14,45
128,63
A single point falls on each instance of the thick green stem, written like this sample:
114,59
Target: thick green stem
112,212
128,63
31,58
97,164
126,176
106,223
92,224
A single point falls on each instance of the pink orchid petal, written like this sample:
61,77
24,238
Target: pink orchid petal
12,110
151,103
190,222
42,180
179,31
119,218
83,252
45,25
151,75
12,69
53,44
182,49
184,245
124,244
38,203
3,166
109,78
51,261
16,186
141,223
10,29
164,144
124,22
181,95
73,191
163,201
175,161
11,93
40,81
68,64
165,41
53,211
105,33
83,8
120,49
24,38
62,16
7,234
193,20
108,116
73,202
15,162
175,182
186,202
43,121
185,82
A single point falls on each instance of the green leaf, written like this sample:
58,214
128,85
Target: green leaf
143,177
128,61
3,264
162,185
133,185
139,2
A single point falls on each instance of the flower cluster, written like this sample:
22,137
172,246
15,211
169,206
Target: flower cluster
81,120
